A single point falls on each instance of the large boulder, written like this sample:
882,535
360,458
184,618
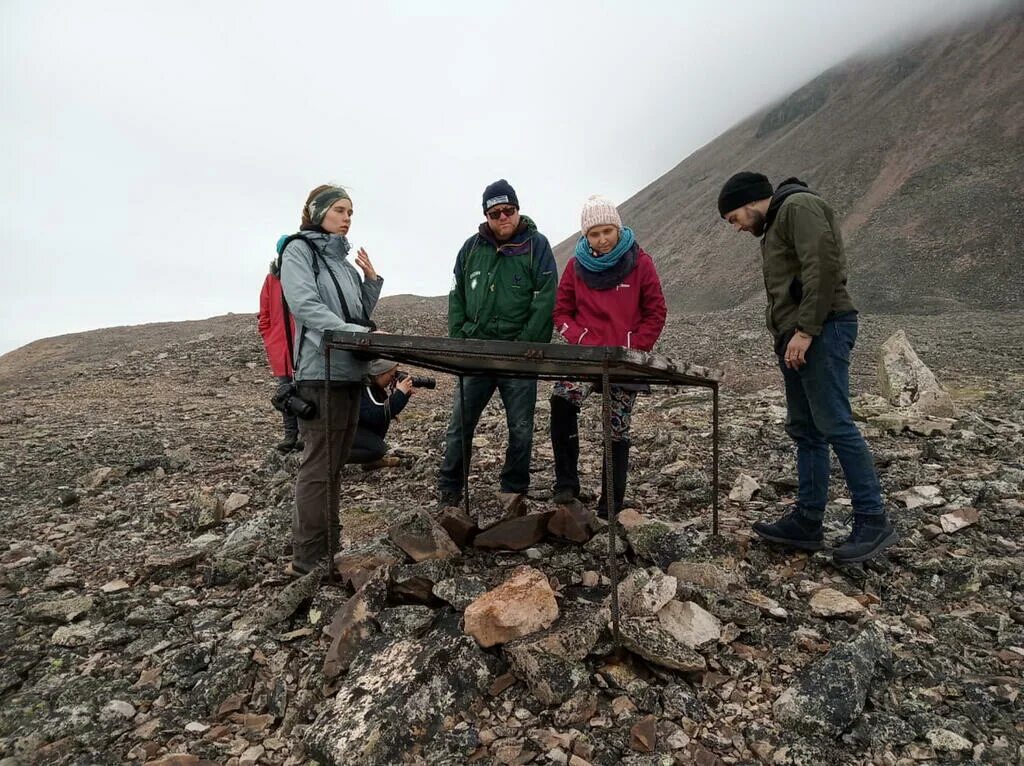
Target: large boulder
397,701
523,604
908,383
829,696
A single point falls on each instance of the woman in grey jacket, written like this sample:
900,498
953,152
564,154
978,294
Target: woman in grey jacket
325,292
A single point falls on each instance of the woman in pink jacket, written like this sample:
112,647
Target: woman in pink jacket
609,295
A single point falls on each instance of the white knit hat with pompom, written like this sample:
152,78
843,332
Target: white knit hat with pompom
598,211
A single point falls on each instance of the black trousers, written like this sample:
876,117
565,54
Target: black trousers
367,447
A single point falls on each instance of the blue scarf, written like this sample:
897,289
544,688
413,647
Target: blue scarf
586,258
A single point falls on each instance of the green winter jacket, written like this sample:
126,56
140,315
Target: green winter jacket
504,291
803,262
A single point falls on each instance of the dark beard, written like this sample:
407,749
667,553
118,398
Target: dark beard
757,228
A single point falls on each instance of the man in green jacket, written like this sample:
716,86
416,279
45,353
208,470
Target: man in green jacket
505,281
814,324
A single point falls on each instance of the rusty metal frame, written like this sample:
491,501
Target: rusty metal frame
633,367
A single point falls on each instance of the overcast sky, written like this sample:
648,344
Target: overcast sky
152,153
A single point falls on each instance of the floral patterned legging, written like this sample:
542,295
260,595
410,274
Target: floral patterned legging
622,402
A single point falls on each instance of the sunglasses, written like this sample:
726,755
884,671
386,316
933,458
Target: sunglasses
508,212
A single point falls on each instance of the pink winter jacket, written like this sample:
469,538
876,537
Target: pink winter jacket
631,314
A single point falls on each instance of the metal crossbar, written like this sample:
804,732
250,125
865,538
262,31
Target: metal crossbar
604,365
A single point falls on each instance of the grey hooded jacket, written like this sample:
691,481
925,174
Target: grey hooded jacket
316,305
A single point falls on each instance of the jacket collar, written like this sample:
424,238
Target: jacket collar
786,189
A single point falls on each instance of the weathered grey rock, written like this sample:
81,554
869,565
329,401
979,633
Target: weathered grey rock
946,741
645,591
61,577
703,575
460,592
829,695
550,678
358,564
60,610
598,544
522,604
230,672
415,582
283,604
572,636
77,634
422,538
407,621
908,383
396,697
658,543
577,710
353,625
679,701
646,637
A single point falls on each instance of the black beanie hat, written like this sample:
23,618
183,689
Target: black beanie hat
742,189
500,193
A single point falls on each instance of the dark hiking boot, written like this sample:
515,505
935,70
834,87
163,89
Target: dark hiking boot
449,500
565,444
620,470
870,536
794,530
564,495
291,443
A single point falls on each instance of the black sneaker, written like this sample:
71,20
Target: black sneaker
449,500
794,530
870,536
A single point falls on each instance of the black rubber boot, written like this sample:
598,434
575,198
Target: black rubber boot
620,470
565,443
870,536
795,530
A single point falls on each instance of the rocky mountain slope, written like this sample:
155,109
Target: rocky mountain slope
145,617
921,151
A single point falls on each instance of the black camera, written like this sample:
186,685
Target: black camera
287,399
418,381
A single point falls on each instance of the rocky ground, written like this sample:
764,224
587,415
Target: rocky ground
146,618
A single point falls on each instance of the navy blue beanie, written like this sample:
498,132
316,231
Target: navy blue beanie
500,193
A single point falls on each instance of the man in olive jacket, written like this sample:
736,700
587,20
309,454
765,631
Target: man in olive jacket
814,324
505,281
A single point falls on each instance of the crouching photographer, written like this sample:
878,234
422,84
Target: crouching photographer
385,394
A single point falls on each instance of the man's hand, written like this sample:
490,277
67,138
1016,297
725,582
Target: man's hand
796,351
363,262
405,386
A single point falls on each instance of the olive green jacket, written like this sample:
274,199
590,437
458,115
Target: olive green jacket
803,262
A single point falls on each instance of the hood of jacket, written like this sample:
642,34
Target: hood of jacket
785,189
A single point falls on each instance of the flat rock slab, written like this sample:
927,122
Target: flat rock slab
690,624
828,602
395,700
645,591
704,575
354,623
60,610
646,637
415,582
829,695
514,534
357,566
422,538
523,604
460,592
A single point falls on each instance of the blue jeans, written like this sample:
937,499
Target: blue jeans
520,400
819,416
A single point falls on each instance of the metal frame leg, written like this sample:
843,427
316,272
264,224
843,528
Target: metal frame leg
332,484
465,447
714,460
609,494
